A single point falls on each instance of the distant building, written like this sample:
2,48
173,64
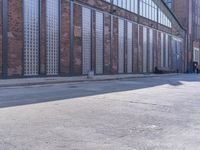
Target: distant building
188,13
169,3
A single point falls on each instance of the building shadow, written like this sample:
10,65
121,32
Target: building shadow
17,96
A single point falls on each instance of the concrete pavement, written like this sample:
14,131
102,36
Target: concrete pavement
160,113
56,80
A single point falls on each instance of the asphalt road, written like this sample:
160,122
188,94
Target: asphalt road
161,113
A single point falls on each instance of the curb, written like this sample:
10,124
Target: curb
84,80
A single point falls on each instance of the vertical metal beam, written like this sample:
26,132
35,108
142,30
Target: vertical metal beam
5,39
71,35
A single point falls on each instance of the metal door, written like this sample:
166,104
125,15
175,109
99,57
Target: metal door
99,43
86,40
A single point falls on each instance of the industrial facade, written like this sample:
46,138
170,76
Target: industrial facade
73,37
188,13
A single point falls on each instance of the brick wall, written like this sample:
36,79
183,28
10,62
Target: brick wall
1,37
43,39
155,48
135,48
140,50
94,40
65,38
170,51
77,51
71,55
125,48
15,38
114,49
158,58
181,10
107,44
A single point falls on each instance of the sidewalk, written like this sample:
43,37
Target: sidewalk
55,80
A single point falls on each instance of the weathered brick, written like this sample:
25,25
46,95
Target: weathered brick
140,50
135,48
155,47
107,44
65,38
15,38
114,50
1,37
94,40
125,48
43,39
77,51
158,58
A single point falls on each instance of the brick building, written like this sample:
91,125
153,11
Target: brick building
72,37
188,13
169,3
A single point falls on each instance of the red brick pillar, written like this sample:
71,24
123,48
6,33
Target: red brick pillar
15,38
135,48
183,56
65,38
158,57
114,49
125,48
77,48
107,44
1,37
93,40
155,48
140,50
170,52
43,38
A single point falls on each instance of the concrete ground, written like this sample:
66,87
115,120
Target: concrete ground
160,113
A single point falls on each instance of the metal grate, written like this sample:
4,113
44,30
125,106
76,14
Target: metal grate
166,51
145,50
86,37
99,43
31,37
121,46
130,47
52,36
162,49
150,50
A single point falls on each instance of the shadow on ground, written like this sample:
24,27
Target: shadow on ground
16,96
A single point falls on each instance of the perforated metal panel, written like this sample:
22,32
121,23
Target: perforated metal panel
121,46
145,50
178,43
130,47
52,36
99,43
162,49
150,50
174,55
86,36
31,37
166,52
